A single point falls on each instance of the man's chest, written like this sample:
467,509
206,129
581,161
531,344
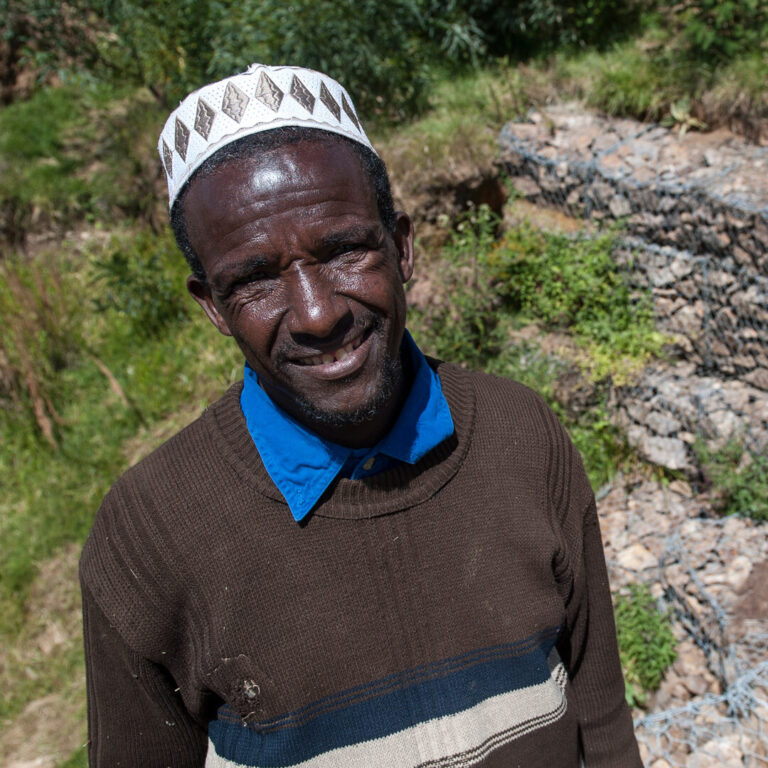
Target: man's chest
437,626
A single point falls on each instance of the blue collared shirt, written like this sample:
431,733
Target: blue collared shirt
302,464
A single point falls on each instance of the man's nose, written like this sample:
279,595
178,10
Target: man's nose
316,308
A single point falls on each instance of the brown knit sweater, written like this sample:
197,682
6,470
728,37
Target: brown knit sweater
451,613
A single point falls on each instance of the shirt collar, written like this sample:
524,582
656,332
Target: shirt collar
303,465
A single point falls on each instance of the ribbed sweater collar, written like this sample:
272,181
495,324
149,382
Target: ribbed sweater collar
398,488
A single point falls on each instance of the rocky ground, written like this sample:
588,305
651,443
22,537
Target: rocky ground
671,406
712,574
695,210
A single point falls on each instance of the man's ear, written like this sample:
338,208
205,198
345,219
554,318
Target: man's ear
201,293
403,237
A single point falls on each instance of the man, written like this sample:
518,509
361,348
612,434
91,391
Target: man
357,557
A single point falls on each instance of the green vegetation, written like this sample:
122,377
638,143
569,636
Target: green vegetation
387,58
636,58
490,286
39,174
574,283
66,154
557,281
78,759
98,381
646,642
696,64
739,480
139,277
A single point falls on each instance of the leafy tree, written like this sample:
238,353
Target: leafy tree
382,54
42,37
725,30
165,45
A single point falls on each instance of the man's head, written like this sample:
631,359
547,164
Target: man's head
298,254
256,144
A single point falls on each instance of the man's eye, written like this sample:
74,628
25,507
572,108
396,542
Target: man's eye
253,281
349,249
254,277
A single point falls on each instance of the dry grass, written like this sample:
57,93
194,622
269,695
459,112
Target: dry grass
43,666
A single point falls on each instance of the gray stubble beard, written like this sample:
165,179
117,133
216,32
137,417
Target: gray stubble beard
388,384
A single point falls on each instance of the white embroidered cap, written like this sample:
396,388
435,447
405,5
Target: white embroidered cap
259,99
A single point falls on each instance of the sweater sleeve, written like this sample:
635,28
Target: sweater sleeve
136,719
588,643
597,684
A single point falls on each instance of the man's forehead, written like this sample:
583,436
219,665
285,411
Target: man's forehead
260,99
321,183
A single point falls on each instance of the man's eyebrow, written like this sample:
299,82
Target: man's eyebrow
359,234
232,273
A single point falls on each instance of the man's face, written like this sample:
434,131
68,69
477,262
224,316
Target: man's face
303,275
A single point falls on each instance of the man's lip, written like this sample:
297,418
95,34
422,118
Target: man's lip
355,354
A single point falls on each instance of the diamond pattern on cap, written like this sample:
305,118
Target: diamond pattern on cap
168,159
261,98
268,93
181,139
204,118
348,109
300,92
330,102
234,102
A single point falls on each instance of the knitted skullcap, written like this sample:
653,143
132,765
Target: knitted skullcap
259,99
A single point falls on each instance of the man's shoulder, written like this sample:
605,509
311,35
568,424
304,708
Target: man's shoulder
502,412
190,449
158,500
490,392
176,473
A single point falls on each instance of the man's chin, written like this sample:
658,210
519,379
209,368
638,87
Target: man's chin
345,416
363,413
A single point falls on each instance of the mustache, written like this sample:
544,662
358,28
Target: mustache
290,349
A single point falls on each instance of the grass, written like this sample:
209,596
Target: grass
738,479
78,759
490,286
65,154
164,369
458,134
44,658
660,76
622,81
40,175
51,491
646,642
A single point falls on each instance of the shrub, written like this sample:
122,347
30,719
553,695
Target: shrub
718,31
739,480
141,277
481,296
463,326
545,25
574,283
42,319
646,642
384,57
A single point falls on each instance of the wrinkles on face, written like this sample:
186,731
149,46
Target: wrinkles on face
305,278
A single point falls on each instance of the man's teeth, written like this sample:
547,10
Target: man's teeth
337,356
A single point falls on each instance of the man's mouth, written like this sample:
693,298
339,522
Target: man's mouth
337,356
